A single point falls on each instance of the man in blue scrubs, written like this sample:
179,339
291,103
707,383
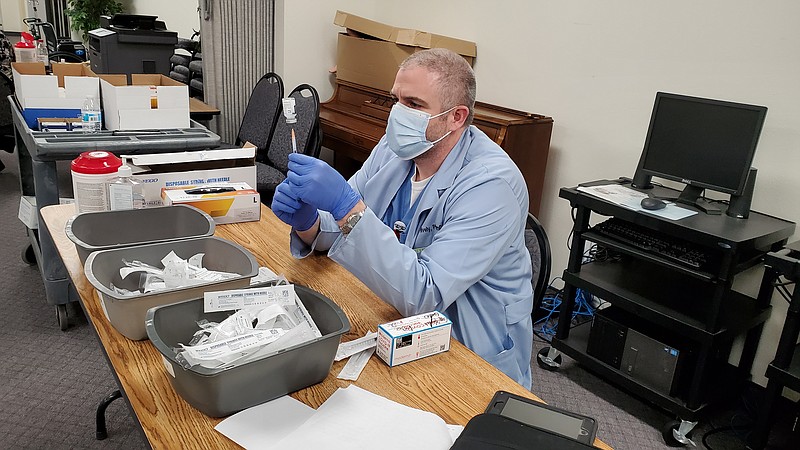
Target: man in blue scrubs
433,220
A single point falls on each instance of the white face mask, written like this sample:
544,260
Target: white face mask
405,131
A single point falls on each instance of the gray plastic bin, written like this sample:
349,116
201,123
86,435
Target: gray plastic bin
127,313
105,230
218,393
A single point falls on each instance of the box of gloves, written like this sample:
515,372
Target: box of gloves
224,202
414,337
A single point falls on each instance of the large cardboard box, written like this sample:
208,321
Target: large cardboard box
150,102
370,52
60,95
182,169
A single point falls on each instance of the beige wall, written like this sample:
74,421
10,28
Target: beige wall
12,12
179,15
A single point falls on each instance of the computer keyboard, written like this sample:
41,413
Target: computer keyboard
661,244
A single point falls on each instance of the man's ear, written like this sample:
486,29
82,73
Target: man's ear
460,115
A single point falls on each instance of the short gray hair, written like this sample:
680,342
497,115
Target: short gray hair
455,78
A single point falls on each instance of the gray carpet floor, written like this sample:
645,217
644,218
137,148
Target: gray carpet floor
51,381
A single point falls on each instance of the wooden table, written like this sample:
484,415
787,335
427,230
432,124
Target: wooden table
456,384
201,112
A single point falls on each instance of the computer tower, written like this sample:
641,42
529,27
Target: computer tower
607,339
647,358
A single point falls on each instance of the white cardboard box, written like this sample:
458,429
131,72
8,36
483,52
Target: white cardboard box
150,102
29,213
241,204
60,95
181,169
414,337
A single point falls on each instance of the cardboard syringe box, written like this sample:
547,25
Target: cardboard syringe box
241,204
181,169
414,337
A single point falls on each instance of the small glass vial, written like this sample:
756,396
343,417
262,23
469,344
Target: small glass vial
123,191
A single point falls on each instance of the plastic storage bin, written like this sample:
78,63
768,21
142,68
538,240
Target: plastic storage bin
105,230
218,393
127,313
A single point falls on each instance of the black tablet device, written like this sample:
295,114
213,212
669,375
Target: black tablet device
539,415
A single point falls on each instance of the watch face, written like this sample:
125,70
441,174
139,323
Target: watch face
351,222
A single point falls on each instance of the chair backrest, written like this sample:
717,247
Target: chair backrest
306,129
539,248
48,33
261,114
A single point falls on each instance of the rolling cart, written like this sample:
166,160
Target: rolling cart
695,305
38,153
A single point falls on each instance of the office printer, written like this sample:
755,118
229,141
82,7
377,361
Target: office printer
131,43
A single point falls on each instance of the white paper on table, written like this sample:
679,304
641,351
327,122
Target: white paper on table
262,426
355,418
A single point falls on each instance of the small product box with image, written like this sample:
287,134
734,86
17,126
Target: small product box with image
224,202
414,337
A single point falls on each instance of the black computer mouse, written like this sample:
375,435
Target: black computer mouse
653,203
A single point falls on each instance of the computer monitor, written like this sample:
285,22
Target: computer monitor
702,143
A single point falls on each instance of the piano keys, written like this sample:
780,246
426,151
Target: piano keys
354,120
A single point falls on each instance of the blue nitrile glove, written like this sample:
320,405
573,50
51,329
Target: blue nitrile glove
319,184
291,210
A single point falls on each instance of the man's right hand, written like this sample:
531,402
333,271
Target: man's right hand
291,210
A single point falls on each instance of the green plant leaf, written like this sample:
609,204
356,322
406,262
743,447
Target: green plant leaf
84,15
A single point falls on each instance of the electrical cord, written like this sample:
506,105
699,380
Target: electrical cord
545,328
742,431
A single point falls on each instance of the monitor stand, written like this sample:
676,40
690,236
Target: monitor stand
691,195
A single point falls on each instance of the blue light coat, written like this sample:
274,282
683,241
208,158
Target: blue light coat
464,255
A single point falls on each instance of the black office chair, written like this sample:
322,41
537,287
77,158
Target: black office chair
308,135
541,258
260,116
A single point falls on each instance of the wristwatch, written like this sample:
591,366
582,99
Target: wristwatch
350,222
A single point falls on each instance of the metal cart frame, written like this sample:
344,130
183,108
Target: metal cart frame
38,152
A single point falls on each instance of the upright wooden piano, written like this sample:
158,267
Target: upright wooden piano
354,120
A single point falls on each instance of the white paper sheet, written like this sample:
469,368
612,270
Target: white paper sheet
631,199
353,418
262,426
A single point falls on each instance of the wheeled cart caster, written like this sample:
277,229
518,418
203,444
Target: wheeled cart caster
63,319
28,256
549,358
678,433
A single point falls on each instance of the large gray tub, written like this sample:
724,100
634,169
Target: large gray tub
221,392
103,230
127,313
